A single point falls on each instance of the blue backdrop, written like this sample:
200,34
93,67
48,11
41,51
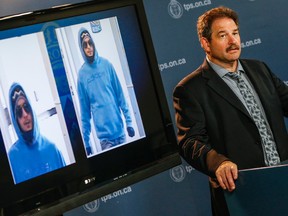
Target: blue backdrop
183,190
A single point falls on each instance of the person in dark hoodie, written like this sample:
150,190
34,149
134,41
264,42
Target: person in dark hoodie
101,96
32,154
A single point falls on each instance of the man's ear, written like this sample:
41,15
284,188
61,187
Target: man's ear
205,44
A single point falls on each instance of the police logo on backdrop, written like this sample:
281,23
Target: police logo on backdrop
92,207
178,173
175,9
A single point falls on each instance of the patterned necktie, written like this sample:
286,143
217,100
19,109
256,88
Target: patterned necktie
269,147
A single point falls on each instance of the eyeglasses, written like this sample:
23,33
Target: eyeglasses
86,43
19,109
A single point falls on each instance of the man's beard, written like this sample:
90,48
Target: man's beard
90,59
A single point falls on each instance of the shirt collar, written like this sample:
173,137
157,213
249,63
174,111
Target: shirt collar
222,71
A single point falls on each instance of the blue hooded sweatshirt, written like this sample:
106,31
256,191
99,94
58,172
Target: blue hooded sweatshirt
100,94
32,154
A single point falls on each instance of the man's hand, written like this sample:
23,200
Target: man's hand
89,150
130,131
226,175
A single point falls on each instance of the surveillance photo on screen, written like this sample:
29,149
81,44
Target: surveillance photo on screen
31,118
99,77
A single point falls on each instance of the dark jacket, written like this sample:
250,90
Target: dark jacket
210,117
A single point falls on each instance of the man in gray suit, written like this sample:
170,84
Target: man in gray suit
229,111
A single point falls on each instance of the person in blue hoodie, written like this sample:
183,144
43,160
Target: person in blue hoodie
101,96
32,154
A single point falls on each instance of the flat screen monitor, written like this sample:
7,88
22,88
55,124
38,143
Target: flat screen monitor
82,107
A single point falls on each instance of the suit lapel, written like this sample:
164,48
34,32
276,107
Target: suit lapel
221,88
255,78
251,72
